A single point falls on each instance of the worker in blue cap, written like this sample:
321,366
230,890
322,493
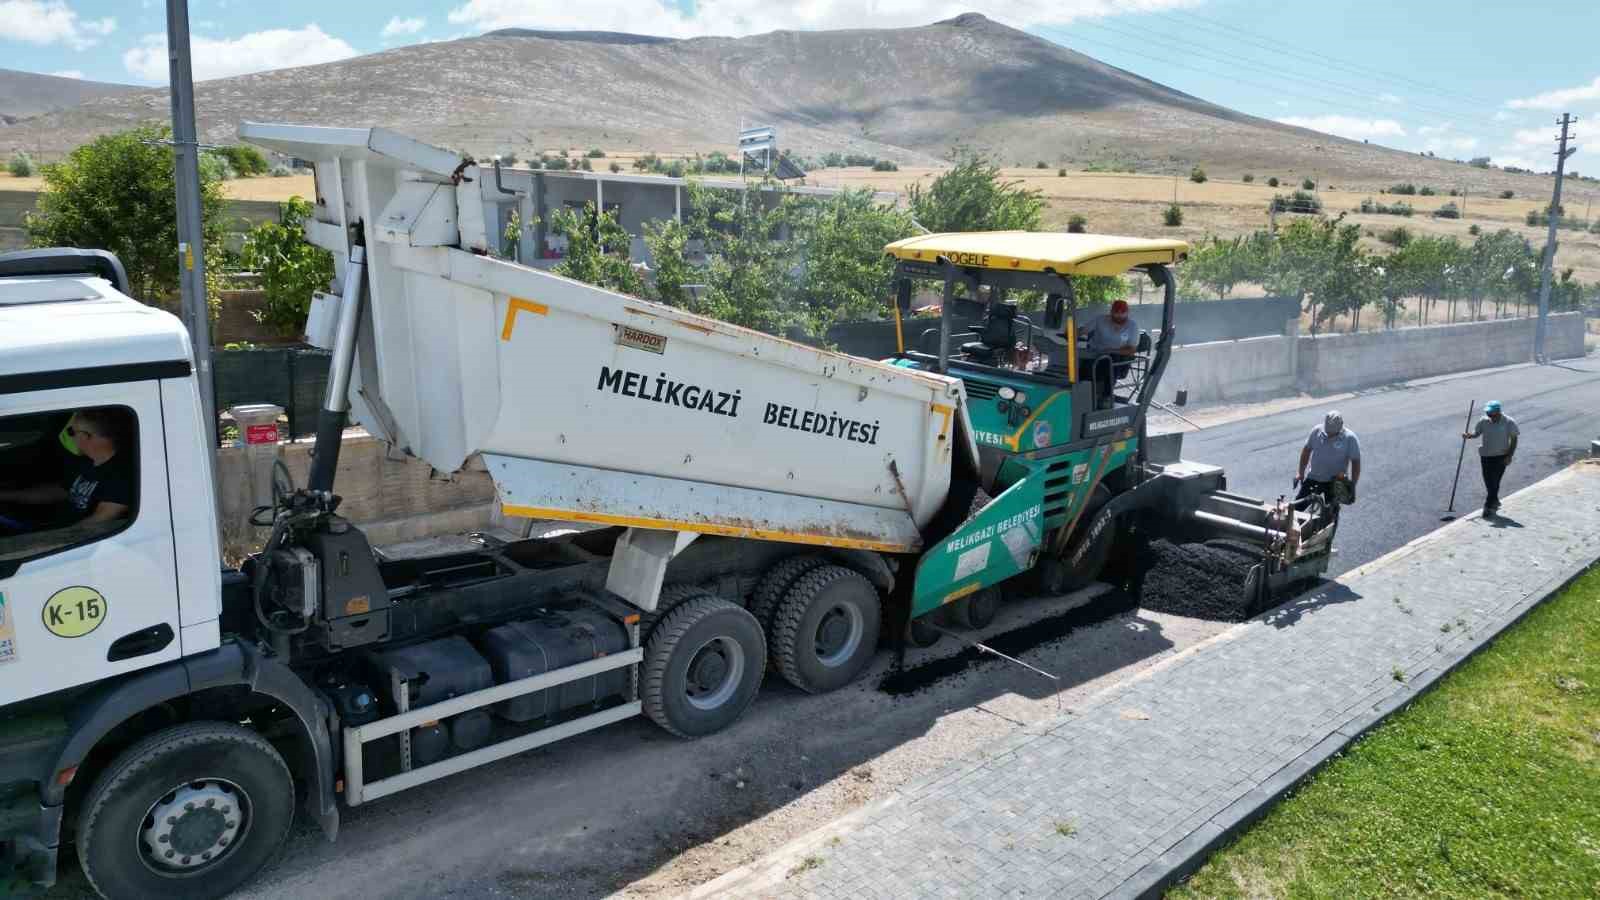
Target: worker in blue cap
1499,433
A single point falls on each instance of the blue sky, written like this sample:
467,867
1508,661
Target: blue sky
1456,78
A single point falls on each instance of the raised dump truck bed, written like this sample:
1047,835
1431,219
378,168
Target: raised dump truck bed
594,406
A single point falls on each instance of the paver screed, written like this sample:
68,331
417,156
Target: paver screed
1129,790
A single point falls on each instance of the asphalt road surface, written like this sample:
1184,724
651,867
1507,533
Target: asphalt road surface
1410,438
633,811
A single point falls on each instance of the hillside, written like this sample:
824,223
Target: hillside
905,94
25,94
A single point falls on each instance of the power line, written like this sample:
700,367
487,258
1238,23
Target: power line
1256,38
1231,75
1275,71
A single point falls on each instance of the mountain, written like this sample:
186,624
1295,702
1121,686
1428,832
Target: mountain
25,94
907,94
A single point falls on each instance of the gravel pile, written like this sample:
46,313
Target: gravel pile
1201,581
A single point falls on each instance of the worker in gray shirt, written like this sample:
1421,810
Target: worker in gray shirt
1114,336
1499,432
1333,454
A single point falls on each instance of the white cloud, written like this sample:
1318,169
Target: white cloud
742,17
50,22
1501,115
398,26
1350,127
1392,99
1559,99
1526,138
258,51
68,73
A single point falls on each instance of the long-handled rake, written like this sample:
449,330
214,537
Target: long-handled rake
1450,511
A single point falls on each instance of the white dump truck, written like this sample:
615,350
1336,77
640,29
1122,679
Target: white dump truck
762,504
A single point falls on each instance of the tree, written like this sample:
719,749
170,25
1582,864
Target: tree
597,250
668,242
973,197
291,268
1077,224
842,240
1222,264
21,165
1172,216
1248,178
1308,184
117,193
1197,175
1273,181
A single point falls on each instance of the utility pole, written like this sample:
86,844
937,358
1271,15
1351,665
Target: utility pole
1554,216
191,240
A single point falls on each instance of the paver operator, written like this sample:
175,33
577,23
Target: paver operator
1115,335
1333,454
1499,432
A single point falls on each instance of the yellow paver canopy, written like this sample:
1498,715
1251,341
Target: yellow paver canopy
1035,251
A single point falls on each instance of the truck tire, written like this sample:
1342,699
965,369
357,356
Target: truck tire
671,596
703,666
977,610
194,810
827,629
775,585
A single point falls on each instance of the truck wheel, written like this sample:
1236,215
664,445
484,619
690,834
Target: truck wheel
191,811
703,666
976,611
775,585
670,597
827,629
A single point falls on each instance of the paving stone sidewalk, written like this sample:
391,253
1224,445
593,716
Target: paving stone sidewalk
1130,790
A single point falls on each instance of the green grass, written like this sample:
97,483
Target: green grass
1488,786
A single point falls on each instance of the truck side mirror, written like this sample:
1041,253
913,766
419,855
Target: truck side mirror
902,294
1055,307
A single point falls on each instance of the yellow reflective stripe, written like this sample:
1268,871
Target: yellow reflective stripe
792,537
899,338
958,593
517,303
1072,348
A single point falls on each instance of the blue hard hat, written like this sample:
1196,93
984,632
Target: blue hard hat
1492,406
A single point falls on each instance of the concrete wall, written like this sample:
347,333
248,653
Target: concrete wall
1338,362
393,498
1219,371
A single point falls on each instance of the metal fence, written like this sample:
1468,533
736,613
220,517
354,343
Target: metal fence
294,378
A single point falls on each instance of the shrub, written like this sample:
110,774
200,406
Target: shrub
585,165
1041,164
21,165
1507,195
281,171
1273,181
1061,173
1405,189
616,166
509,158
1077,224
1474,230
1172,216
646,163
1248,178
1398,209
1480,162
884,165
1299,202
1448,211
1399,236
675,169
1426,191
1197,175
1308,184
1454,192
245,161
596,153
